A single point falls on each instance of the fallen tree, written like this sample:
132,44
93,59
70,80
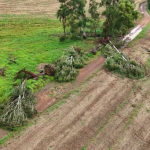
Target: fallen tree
122,64
24,74
20,107
66,66
10,59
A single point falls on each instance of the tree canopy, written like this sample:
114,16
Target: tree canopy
119,16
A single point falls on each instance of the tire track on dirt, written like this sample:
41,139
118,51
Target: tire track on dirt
54,136
96,120
78,117
137,135
114,130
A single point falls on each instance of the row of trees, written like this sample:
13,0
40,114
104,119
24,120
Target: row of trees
119,14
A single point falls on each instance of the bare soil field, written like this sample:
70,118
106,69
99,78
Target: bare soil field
30,7
38,7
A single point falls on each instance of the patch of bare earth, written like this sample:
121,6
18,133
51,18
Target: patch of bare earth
32,7
3,133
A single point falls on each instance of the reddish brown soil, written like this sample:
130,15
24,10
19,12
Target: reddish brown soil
146,19
46,96
3,133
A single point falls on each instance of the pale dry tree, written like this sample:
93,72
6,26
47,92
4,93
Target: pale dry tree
21,105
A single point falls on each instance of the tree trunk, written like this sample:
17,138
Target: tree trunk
64,29
95,33
84,33
64,25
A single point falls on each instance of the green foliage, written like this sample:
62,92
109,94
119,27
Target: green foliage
94,25
35,84
84,148
65,71
90,55
77,16
2,141
119,18
93,9
67,64
20,107
62,38
62,14
148,64
116,63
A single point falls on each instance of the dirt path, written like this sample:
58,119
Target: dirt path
46,97
135,31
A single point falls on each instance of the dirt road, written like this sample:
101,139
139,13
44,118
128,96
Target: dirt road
135,31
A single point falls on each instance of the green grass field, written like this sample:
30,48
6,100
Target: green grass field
31,41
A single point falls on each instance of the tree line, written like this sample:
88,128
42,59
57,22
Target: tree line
119,16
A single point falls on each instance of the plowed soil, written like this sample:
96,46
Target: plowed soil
32,7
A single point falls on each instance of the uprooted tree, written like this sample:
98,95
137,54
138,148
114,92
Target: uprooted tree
66,66
121,63
20,107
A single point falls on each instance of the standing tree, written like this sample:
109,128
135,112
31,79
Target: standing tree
62,13
126,18
77,17
93,9
109,2
94,20
119,17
